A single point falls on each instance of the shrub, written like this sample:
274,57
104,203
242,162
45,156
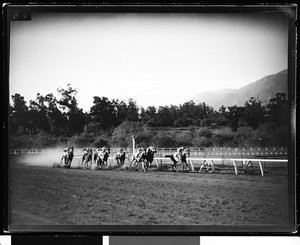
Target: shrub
244,136
100,142
184,138
183,122
271,134
205,122
122,135
200,141
224,139
204,132
43,139
222,121
143,139
163,139
81,140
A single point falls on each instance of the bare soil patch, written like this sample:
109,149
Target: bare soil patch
57,196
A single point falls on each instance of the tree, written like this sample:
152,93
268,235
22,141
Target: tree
68,103
277,109
132,111
149,116
234,116
164,117
222,110
254,113
120,112
102,112
188,110
38,114
57,120
19,113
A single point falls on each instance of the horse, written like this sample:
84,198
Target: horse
67,157
101,156
87,156
246,166
139,156
96,158
104,153
207,164
150,155
183,157
175,158
120,157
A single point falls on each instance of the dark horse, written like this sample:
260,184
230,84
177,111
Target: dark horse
179,155
120,157
87,156
145,156
68,156
150,155
184,155
101,156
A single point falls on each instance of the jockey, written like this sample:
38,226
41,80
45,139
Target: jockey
65,154
104,149
140,152
185,151
177,154
120,153
119,156
87,151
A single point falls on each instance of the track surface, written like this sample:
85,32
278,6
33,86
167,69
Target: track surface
42,195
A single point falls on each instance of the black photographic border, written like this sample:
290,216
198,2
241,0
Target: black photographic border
290,10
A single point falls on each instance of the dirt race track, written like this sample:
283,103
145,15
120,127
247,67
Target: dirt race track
45,195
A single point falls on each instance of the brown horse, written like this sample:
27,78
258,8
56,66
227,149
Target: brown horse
87,156
101,156
120,157
67,157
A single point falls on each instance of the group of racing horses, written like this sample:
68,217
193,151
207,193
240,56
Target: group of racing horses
145,156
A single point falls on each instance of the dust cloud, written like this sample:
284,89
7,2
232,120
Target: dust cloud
44,159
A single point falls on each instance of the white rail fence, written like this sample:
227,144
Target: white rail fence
159,161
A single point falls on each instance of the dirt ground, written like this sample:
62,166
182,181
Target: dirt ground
47,195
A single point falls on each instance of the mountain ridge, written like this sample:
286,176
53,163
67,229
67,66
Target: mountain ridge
263,90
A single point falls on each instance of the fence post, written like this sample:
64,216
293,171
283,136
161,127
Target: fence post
235,168
261,168
192,165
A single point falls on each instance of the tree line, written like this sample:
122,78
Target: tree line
63,117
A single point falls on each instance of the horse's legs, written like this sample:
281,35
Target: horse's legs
203,164
132,163
174,168
185,163
212,167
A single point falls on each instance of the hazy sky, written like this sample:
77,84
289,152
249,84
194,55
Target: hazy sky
156,59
